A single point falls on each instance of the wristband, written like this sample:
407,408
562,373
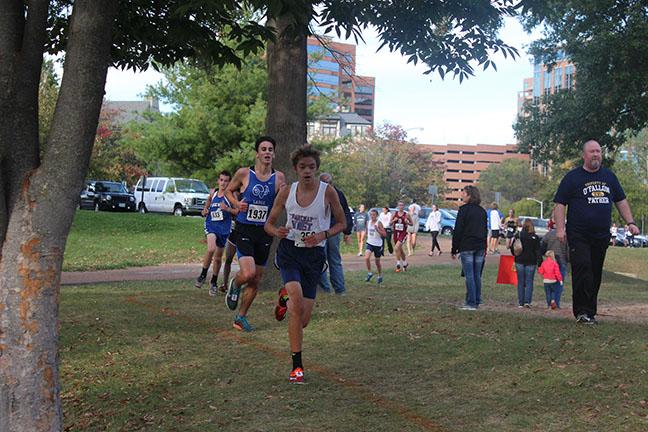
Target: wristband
632,223
326,234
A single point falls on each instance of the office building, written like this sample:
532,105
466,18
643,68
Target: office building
331,72
463,164
546,81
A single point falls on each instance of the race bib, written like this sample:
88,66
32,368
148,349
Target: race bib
217,215
300,236
257,213
399,227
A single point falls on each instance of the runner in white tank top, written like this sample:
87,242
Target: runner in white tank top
300,255
305,221
375,234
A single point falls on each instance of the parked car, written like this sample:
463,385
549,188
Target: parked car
541,225
448,219
634,241
178,196
106,195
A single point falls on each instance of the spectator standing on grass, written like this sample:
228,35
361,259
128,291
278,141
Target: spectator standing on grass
469,242
552,279
526,261
550,242
385,219
414,211
510,226
433,224
332,247
613,233
583,215
360,226
494,225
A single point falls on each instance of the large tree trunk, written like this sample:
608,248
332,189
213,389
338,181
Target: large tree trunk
286,118
38,198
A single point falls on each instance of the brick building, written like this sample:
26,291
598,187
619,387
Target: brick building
463,164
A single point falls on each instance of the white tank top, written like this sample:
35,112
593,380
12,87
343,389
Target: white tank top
373,237
304,221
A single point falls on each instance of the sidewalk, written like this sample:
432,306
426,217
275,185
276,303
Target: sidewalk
189,271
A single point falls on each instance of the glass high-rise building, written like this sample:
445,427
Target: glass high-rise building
331,73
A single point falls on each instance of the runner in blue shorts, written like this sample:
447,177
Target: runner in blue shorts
300,255
257,187
375,234
218,222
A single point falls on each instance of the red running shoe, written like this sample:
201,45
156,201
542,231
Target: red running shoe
281,308
297,376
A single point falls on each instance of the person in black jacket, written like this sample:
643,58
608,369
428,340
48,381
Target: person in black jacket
469,241
332,248
526,262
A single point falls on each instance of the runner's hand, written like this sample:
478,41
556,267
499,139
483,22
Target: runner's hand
204,212
242,205
223,206
282,232
313,240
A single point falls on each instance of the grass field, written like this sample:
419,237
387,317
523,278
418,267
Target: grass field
162,356
106,240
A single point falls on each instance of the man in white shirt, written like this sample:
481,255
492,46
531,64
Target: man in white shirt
494,225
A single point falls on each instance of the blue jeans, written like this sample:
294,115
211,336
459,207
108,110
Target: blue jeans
332,251
525,274
562,264
472,263
553,291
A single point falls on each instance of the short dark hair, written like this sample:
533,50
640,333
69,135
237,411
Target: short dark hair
473,194
261,139
225,173
304,152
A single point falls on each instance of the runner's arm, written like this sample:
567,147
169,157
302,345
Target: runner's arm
278,207
235,186
205,209
381,229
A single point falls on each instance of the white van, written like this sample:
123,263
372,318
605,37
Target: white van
178,196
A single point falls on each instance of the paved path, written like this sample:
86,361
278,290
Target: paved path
189,271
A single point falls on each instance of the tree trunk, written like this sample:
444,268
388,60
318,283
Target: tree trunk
39,198
286,118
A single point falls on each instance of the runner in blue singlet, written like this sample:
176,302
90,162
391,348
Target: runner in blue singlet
257,186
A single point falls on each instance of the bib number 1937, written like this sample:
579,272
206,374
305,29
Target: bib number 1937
257,213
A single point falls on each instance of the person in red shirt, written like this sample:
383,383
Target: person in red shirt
553,280
400,221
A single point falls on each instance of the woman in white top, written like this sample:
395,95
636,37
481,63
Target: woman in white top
375,234
385,219
414,211
433,224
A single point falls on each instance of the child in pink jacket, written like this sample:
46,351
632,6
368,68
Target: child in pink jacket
553,280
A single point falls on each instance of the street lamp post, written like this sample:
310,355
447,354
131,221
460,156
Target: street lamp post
541,205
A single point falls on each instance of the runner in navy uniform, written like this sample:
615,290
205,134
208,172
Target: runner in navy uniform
258,186
218,222
300,256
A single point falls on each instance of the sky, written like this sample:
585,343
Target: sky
480,110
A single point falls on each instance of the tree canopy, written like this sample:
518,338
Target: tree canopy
607,40
382,168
